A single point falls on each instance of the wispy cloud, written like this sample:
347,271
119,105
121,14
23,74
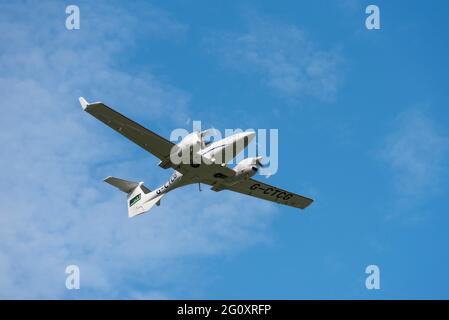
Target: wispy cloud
416,151
283,56
53,211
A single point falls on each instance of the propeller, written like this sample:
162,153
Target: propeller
203,134
260,164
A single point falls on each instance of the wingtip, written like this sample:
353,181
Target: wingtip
83,102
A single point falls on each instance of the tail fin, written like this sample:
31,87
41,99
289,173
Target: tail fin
137,195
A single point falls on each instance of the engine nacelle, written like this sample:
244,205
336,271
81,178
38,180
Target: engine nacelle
192,140
247,168
186,151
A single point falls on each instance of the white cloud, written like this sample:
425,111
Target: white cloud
283,56
53,211
415,149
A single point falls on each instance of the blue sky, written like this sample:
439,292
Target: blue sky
362,118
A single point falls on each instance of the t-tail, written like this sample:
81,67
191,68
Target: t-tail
140,199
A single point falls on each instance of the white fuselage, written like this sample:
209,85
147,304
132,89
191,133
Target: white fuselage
221,151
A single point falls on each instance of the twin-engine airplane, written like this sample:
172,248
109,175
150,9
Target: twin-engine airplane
206,163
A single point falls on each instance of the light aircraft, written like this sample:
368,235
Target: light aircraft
207,163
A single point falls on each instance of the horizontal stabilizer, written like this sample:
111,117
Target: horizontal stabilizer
125,185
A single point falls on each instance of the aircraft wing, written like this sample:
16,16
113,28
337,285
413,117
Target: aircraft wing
264,191
147,139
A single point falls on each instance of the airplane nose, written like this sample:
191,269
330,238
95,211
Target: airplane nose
249,136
